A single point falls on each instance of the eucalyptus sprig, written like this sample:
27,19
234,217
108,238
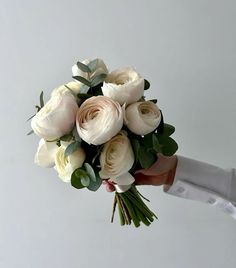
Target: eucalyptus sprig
38,108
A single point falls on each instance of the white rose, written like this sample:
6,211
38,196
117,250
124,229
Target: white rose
116,159
74,87
99,119
57,117
66,165
45,154
100,69
124,85
142,117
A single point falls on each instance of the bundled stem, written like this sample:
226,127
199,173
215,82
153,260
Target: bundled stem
132,208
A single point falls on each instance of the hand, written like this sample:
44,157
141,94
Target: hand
160,173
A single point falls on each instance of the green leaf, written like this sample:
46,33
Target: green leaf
155,143
30,117
71,148
82,80
66,137
83,67
92,65
154,101
84,89
94,185
76,178
98,79
29,133
146,84
85,180
160,128
76,134
168,130
38,108
84,95
90,171
147,141
146,158
41,100
136,147
169,147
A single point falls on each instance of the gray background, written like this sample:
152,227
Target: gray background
186,49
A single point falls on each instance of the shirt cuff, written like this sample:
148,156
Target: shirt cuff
194,180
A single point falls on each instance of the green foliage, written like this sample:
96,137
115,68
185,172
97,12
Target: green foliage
168,130
154,101
66,137
90,171
71,148
94,185
83,67
84,89
86,177
136,147
84,96
98,79
82,80
76,134
146,84
41,100
146,157
76,178
29,133
93,65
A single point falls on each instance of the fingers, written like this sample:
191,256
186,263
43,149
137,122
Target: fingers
157,180
108,185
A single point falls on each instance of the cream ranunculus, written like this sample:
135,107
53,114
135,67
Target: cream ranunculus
99,119
45,154
116,159
57,117
142,117
124,85
74,87
66,165
100,69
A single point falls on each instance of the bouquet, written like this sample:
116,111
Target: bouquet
100,127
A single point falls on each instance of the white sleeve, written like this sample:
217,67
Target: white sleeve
204,182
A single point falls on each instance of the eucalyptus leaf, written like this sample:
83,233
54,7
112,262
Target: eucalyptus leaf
94,185
84,89
98,79
30,117
41,100
85,180
82,80
76,178
90,171
71,148
76,134
66,137
146,84
29,133
38,108
92,65
83,67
